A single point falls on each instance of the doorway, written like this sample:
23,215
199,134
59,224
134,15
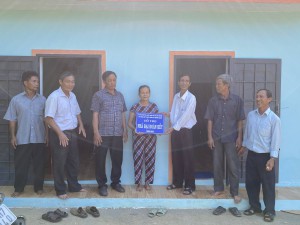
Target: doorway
203,72
87,72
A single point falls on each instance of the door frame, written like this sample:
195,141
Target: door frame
172,56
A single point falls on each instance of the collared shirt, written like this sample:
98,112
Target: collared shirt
183,111
262,132
29,115
110,108
225,114
63,109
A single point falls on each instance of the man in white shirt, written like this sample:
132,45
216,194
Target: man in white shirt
262,139
183,118
62,115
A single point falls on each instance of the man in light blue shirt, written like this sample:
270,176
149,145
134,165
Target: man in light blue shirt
262,139
25,115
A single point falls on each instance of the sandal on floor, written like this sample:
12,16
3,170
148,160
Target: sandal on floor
51,217
171,187
152,213
61,213
93,211
251,211
78,212
269,217
234,211
187,191
219,210
161,212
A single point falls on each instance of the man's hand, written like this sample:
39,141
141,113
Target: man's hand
241,151
82,131
13,142
170,130
166,114
238,143
97,139
63,139
270,164
211,143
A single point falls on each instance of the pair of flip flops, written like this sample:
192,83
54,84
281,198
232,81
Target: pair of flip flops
157,212
92,210
220,210
54,216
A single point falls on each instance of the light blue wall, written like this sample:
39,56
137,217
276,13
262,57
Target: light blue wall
137,46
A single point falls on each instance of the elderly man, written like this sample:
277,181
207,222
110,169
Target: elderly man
262,139
109,126
225,115
25,115
62,115
183,118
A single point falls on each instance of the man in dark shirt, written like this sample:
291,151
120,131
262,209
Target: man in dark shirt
109,126
225,115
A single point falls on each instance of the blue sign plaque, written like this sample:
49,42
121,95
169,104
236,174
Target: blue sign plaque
150,123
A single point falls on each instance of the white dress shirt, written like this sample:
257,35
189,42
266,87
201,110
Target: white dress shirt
183,111
63,109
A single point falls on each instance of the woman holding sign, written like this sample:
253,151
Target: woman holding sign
144,145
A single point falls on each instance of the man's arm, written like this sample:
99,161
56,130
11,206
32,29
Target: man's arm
12,129
81,127
125,132
97,136
239,139
210,142
63,140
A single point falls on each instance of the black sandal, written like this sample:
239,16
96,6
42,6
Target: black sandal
269,217
219,210
234,211
171,187
251,211
187,191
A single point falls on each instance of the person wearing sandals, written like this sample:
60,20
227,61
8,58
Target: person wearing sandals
183,118
262,139
62,115
144,145
110,131
225,115
28,134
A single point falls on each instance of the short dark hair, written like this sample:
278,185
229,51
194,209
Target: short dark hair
106,74
65,74
268,92
144,86
28,74
183,75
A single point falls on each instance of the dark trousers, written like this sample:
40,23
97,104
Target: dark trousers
232,162
115,146
23,156
257,176
183,158
65,160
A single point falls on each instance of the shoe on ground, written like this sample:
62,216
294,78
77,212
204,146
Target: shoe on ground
103,190
118,188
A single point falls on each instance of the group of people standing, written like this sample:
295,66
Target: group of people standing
28,111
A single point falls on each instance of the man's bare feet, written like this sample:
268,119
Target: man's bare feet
63,197
138,187
217,193
83,190
237,199
16,194
39,192
148,187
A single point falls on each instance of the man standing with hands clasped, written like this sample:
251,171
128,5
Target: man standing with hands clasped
262,139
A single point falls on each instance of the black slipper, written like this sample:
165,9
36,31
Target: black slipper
219,210
234,211
187,191
269,217
61,213
79,212
51,217
93,211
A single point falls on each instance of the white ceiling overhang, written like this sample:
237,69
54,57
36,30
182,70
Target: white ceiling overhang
155,5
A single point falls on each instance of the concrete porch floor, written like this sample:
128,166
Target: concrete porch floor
287,198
